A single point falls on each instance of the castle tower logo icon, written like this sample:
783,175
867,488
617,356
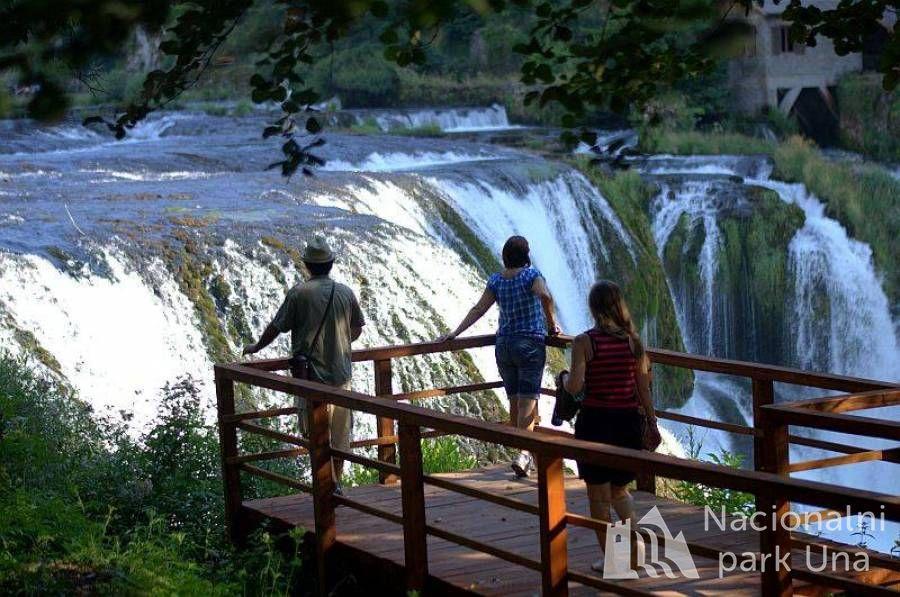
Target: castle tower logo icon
654,550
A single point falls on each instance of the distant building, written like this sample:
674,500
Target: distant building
776,72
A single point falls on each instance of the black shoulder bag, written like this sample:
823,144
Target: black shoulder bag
300,363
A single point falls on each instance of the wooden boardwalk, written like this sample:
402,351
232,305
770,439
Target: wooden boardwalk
372,548
484,532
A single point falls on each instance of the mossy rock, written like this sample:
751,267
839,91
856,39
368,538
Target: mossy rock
755,279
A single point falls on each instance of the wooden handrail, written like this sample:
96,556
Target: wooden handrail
853,424
812,379
799,490
850,402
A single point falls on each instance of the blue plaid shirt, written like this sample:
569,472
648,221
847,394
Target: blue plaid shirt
520,309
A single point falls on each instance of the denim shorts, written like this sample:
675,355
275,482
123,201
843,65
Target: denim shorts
520,360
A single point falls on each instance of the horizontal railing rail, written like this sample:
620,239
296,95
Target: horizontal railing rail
405,425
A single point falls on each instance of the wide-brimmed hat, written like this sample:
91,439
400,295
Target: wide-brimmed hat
318,251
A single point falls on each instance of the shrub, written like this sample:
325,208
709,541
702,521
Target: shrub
670,112
85,507
870,117
715,498
360,76
492,48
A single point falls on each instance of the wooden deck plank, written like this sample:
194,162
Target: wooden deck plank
511,530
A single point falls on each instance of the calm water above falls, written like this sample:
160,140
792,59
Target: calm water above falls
100,240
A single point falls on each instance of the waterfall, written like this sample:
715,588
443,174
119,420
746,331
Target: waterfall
121,270
837,315
573,231
450,120
696,202
841,316
557,216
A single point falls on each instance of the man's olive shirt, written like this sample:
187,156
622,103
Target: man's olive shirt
302,312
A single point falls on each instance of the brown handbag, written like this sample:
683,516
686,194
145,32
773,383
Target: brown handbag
650,435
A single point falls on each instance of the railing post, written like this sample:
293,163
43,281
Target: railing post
322,486
384,387
763,395
771,455
228,448
552,507
414,537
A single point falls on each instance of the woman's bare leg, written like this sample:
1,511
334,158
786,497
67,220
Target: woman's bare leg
623,504
526,413
526,407
513,410
599,501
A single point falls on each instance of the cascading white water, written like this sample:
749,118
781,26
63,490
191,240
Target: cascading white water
556,217
695,201
415,281
571,227
398,161
117,339
451,120
841,315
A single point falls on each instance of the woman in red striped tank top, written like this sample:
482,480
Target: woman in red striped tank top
609,364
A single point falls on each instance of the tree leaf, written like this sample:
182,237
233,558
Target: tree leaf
312,125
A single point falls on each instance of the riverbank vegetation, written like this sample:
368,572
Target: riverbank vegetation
85,507
870,117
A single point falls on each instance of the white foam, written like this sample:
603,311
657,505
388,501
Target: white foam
397,161
118,341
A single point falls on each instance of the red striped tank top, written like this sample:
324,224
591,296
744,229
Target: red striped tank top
610,375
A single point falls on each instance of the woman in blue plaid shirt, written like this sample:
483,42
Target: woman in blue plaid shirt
526,317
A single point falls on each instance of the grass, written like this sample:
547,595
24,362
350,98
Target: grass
367,127
870,116
425,130
702,143
439,455
864,198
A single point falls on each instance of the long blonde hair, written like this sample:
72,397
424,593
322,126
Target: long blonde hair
612,316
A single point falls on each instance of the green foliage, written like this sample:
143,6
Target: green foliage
715,498
367,127
426,130
6,103
471,89
578,54
864,198
492,48
670,112
870,117
85,507
360,76
782,125
443,455
657,140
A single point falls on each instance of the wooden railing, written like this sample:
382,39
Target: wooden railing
401,425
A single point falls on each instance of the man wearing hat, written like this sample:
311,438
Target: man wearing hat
323,318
